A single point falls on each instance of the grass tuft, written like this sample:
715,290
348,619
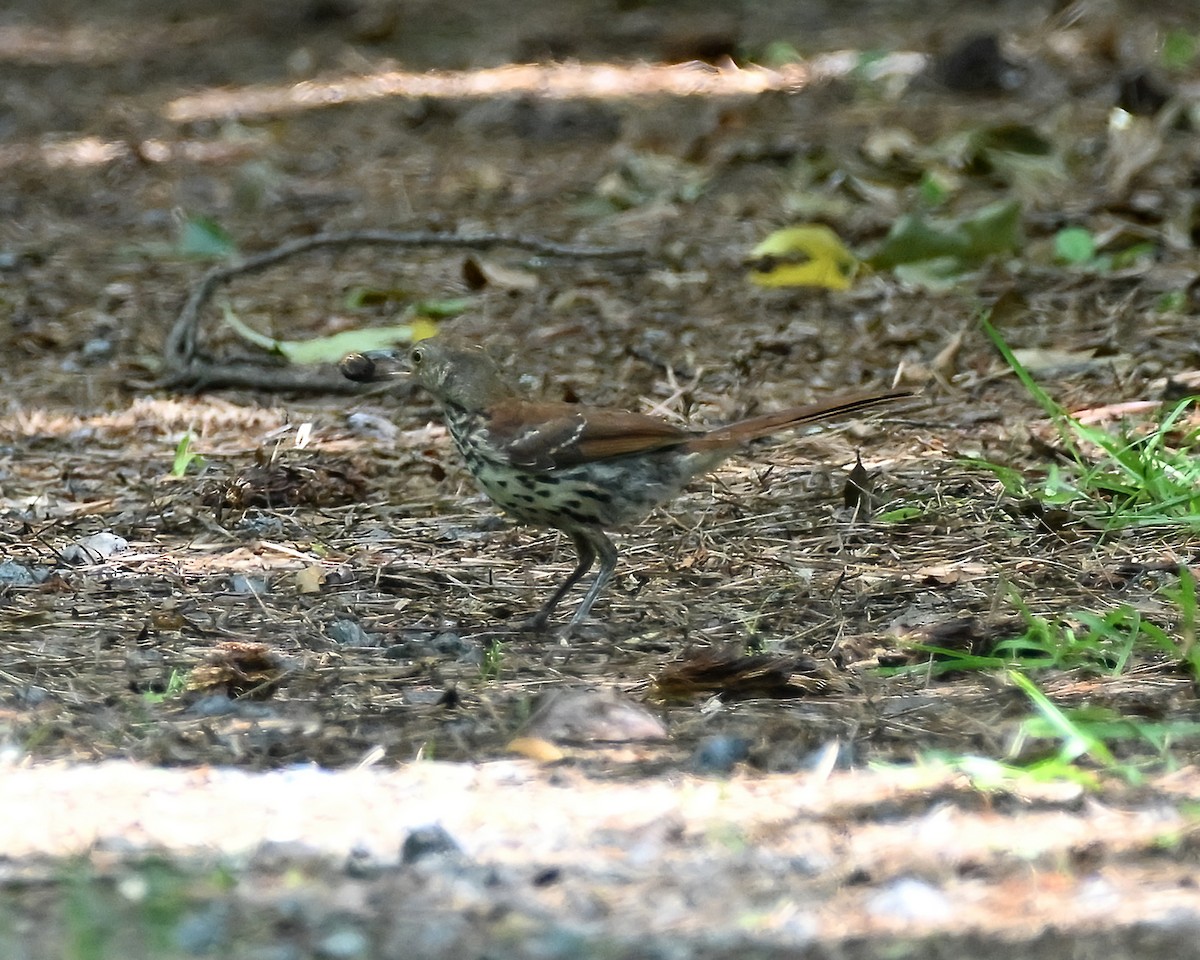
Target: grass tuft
1142,476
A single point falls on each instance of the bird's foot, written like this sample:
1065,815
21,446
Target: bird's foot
572,630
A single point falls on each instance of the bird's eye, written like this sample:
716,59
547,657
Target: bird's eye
416,355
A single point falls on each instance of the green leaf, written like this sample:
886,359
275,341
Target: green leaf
357,298
866,66
780,53
176,684
939,274
331,349
967,242
912,239
185,456
1076,741
993,230
1074,245
440,309
901,515
1173,301
202,238
933,189
1130,256
1178,49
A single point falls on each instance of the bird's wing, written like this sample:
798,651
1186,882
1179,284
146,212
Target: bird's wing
544,436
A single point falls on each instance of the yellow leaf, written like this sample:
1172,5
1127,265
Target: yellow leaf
809,255
535,748
309,579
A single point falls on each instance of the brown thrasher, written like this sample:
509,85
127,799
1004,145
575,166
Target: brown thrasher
581,470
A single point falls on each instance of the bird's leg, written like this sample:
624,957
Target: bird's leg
598,543
585,550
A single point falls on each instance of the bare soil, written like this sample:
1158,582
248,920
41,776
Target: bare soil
218,737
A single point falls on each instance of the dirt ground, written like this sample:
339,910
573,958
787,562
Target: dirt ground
277,702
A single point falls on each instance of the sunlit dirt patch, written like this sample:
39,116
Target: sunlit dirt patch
595,81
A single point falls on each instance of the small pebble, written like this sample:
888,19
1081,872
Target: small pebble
93,549
372,425
16,574
452,644
547,876
213,705
32,695
342,944
350,634
97,349
240,583
261,525
361,864
428,841
910,899
201,933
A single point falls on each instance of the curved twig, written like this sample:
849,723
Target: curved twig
185,369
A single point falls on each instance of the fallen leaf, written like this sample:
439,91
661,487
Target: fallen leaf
1043,361
309,579
808,255
948,573
333,348
963,243
479,273
535,748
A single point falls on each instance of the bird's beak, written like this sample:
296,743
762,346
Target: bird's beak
373,366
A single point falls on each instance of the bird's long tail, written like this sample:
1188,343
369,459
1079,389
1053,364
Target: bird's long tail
743,431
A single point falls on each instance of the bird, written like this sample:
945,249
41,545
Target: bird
579,469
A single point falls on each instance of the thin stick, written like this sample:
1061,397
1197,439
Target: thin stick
184,368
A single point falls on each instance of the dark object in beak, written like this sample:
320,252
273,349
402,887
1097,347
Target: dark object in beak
372,366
